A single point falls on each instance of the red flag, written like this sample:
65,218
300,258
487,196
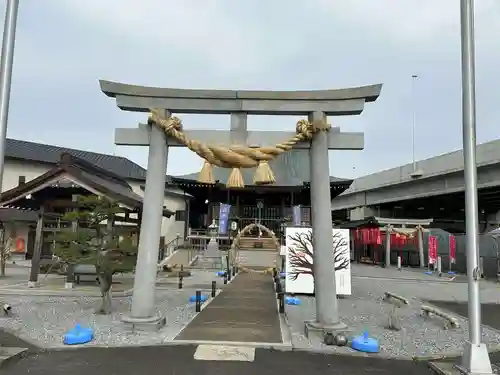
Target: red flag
432,250
453,249
378,236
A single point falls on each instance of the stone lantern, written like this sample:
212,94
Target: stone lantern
213,229
212,254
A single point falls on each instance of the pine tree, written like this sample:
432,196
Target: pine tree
90,240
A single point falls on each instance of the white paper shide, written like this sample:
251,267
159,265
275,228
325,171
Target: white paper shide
299,260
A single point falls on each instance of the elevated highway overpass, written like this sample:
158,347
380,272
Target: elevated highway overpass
436,190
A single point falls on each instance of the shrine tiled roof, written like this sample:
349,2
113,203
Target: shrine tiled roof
290,169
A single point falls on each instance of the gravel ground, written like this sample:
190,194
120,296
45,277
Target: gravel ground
44,320
366,311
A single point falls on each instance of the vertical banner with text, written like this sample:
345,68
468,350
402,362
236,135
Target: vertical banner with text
432,249
224,217
296,216
453,249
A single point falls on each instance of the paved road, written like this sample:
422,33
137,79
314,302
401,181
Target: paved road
179,360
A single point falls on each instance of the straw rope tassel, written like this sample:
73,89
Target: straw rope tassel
264,174
206,175
235,179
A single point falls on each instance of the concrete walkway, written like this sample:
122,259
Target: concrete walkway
180,360
245,311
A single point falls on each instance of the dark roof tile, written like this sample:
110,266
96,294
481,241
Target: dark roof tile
42,153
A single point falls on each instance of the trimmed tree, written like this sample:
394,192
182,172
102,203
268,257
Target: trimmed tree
92,239
6,243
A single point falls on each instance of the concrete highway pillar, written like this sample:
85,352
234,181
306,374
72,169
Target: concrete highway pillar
143,315
327,317
388,230
420,239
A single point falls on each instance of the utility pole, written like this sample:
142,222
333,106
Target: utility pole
475,359
414,119
6,64
416,172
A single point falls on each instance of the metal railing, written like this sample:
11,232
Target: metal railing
199,243
169,248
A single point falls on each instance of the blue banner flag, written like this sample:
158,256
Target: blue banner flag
296,216
224,217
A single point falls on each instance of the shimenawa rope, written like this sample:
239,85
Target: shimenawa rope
235,156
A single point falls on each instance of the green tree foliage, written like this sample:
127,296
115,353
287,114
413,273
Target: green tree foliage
90,240
6,243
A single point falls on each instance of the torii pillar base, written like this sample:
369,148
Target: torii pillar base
313,328
152,324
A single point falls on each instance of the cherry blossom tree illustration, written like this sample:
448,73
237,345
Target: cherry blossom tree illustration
300,256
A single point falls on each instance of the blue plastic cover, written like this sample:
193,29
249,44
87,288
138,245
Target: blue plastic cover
365,344
292,301
78,335
203,298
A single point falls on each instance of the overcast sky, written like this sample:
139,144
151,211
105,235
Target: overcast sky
64,47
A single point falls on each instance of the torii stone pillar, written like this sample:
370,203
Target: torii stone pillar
143,315
317,105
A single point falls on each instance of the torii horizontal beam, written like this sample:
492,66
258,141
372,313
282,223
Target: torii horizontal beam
338,102
336,140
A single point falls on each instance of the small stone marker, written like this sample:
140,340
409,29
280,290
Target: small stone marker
224,353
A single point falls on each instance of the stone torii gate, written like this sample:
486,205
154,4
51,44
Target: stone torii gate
317,105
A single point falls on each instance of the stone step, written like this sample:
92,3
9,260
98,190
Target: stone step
250,242
258,249
209,263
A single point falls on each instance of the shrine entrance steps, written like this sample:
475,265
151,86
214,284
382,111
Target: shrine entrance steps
244,311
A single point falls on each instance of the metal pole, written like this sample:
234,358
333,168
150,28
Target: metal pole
6,64
414,121
475,358
469,141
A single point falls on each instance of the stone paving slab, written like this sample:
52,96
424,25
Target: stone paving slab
244,311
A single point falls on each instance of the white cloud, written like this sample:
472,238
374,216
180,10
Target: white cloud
200,29
410,21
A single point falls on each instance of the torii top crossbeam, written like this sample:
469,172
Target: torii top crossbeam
338,102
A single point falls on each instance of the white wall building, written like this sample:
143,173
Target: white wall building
25,161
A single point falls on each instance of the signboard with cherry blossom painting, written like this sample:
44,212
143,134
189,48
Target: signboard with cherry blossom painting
299,260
